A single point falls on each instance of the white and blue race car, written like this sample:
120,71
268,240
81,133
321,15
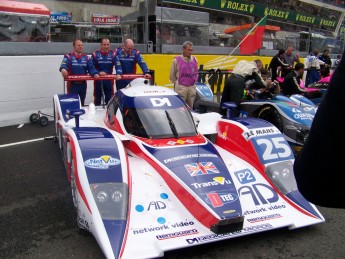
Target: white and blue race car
292,115
149,175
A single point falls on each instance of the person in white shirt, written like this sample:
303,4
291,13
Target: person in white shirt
313,66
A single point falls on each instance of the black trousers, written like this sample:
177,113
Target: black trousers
233,92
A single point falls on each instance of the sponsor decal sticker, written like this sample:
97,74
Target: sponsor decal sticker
310,108
158,102
263,218
223,135
83,223
216,181
245,176
69,100
260,132
303,116
176,158
178,234
259,193
154,205
265,209
102,162
228,211
157,205
201,168
180,141
208,238
163,227
153,92
219,199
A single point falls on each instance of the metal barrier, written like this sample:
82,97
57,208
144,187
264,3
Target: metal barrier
100,78
215,78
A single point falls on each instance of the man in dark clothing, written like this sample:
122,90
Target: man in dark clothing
77,63
319,166
257,92
129,58
292,81
234,85
325,68
104,61
278,62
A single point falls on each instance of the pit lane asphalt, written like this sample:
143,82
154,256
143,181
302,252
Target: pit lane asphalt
37,218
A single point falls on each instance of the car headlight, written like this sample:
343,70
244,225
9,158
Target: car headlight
111,199
116,196
102,197
282,176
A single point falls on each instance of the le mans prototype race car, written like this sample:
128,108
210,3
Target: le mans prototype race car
292,115
149,175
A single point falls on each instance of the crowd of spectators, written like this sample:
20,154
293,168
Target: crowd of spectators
303,7
333,2
279,3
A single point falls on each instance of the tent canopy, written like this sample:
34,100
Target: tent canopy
8,6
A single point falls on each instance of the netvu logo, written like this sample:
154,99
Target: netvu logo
102,162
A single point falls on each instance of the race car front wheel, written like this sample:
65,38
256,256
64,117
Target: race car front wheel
271,115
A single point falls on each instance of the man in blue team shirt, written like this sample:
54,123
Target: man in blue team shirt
104,61
76,63
129,58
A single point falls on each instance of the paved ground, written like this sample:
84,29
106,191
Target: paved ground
37,217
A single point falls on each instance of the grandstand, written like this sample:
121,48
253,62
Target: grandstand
325,31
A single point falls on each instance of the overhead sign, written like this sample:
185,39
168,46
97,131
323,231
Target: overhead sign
60,17
105,19
259,10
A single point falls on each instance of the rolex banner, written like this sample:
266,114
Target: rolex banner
254,9
252,41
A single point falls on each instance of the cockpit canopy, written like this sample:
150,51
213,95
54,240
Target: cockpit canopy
169,119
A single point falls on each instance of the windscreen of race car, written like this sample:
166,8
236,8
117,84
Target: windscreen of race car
158,123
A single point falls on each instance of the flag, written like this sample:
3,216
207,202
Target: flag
201,168
252,41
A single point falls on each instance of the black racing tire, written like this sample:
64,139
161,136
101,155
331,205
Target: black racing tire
43,121
270,114
34,118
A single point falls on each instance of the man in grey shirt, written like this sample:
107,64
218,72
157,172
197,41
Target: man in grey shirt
290,58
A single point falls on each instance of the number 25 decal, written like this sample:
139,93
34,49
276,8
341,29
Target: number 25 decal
274,148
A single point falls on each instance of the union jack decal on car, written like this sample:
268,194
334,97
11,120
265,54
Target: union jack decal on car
201,168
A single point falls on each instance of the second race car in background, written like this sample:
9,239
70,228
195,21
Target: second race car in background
292,115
